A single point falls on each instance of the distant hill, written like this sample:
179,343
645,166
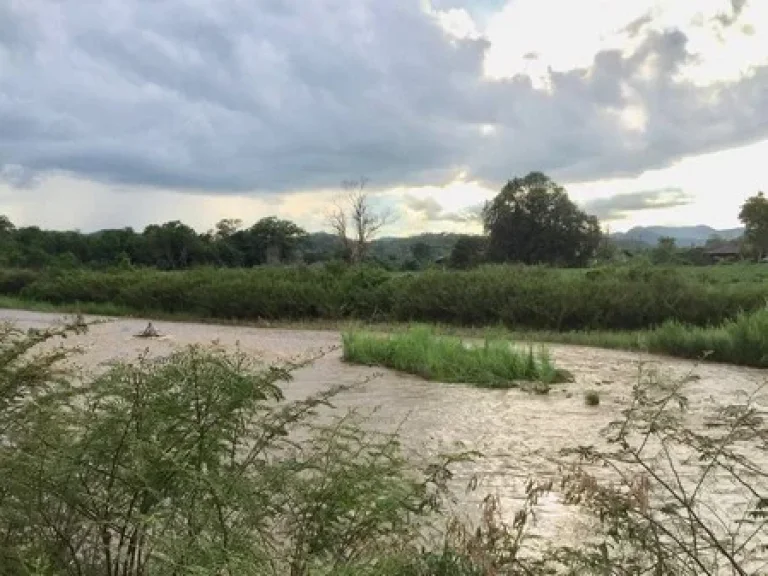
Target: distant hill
321,245
684,235
397,250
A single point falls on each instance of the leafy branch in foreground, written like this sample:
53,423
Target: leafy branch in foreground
195,464
681,499
29,373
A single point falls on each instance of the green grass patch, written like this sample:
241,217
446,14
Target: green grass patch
93,308
743,340
493,363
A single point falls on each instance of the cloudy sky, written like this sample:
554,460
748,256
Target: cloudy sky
126,112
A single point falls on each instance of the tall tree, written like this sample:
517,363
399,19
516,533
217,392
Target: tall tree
665,251
754,216
6,226
468,252
356,221
421,251
173,245
111,247
226,227
272,240
533,221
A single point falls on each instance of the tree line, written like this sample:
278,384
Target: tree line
169,246
531,221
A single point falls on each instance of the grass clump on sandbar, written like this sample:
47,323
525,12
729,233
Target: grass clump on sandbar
492,363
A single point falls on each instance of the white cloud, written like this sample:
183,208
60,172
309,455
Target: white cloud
195,109
717,184
563,35
568,35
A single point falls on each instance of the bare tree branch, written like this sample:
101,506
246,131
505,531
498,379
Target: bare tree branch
355,220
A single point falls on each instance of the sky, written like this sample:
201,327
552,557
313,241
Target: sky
119,113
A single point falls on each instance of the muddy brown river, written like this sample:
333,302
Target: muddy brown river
513,429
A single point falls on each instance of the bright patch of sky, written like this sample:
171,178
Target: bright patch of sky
536,37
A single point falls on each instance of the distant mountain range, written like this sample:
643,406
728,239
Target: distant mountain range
685,236
399,249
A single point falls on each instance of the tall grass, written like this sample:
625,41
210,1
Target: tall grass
534,298
743,340
494,363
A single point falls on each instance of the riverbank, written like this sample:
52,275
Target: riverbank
518,435
742,341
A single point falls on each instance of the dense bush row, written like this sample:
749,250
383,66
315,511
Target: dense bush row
519,297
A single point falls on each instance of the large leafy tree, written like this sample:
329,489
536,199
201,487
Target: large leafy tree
274,240
533,221
468,252
754,216
173,245
270,240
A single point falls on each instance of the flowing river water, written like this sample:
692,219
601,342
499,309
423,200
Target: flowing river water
514,430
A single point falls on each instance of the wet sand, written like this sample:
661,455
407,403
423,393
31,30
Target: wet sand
513,429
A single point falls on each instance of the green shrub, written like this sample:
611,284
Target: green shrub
194,464
494,363
12,282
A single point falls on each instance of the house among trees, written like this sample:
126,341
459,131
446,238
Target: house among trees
727,252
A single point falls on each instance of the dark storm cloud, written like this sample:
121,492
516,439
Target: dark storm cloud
274,95
621,205
17,176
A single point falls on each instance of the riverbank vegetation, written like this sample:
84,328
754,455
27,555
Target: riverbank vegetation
716,313
196,464
742,340
519,297
492,363
531,221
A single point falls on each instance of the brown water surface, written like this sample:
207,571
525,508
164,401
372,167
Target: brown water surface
513,429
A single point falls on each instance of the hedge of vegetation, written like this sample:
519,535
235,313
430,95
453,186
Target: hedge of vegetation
618,298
